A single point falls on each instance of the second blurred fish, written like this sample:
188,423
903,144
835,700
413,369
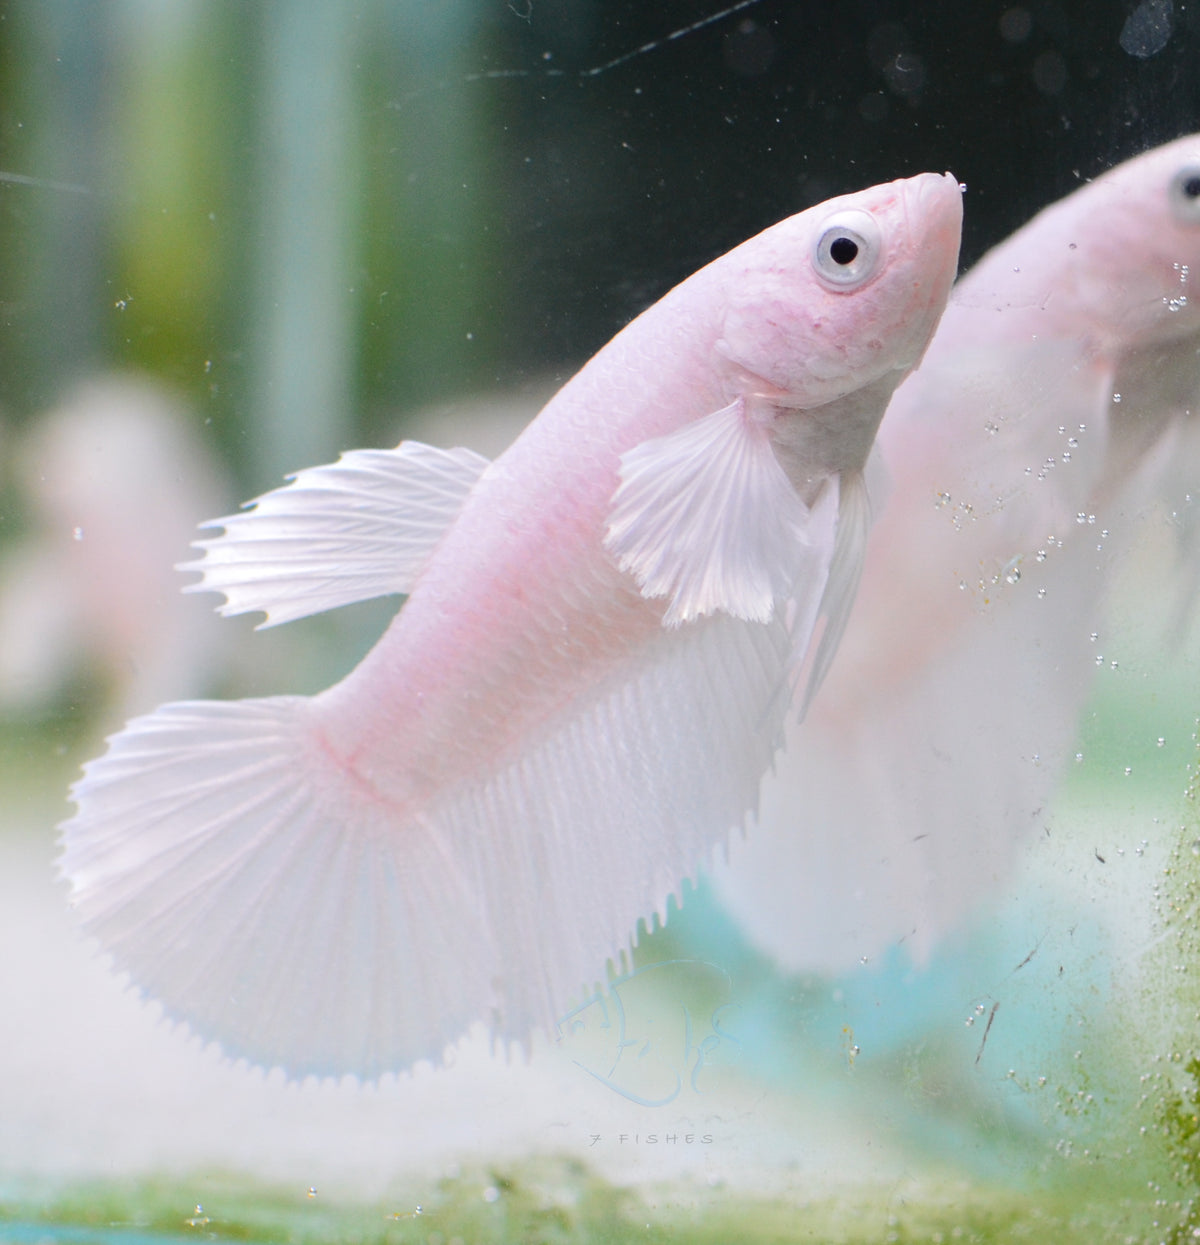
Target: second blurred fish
1054,403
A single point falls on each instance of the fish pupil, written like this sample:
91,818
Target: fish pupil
845,251
1191,187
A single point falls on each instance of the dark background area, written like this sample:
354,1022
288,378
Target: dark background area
520,178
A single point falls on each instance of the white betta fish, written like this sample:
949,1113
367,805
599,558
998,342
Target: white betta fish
577,700
1054,403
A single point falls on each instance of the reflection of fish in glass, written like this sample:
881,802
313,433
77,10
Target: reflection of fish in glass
577,700
1054,403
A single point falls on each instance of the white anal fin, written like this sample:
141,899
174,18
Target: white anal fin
601,818
349,531
707,518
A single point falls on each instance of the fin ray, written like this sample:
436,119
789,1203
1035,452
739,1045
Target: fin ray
348,531
707,517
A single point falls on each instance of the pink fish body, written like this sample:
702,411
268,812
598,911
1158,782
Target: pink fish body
578,698
1053,405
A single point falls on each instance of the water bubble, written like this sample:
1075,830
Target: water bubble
1015,25
1041,594
1073,442
312,1190
991,429
1161,741
77,533
1013,576
1049,73
491,1194
1078,757
1116,396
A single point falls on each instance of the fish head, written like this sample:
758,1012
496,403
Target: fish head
1131,240
838,297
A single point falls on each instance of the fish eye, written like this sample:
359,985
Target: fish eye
849,249
1185,195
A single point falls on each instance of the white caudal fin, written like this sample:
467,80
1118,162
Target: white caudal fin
708,518
348,531
226,864
277,904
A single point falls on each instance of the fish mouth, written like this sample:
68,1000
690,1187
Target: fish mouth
933,211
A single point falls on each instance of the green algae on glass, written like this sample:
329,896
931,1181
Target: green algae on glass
1175,1078
552,1201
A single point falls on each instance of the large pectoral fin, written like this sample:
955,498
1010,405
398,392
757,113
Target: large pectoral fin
707,518
348,531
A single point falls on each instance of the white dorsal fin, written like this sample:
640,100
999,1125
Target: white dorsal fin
359,528
707,517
